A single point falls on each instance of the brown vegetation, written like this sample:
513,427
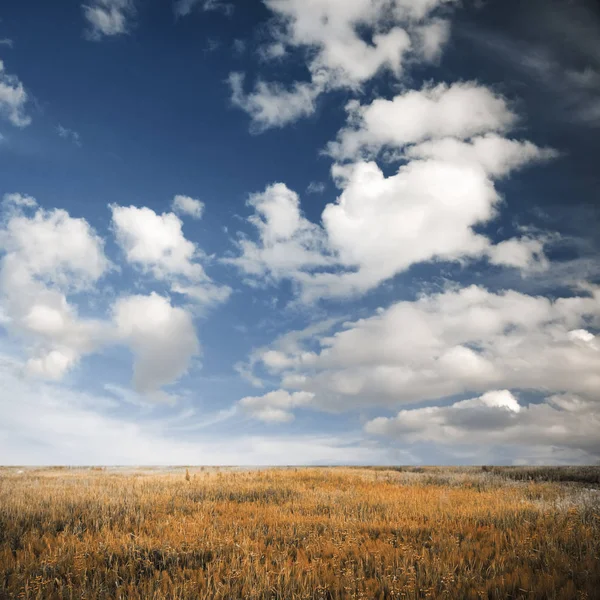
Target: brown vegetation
296,533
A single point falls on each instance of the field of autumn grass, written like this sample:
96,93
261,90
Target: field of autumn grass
300,533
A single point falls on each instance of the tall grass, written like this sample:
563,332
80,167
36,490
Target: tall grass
295,533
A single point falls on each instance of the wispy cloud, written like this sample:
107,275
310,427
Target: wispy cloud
68,134
183,8
564,56
315,187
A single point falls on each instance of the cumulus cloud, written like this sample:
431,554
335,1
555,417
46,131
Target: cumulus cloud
381,225
275,406
287,240
451,151
524,253
272,104
497,418
47,256
13,99
18,201
497,155
450,143
156,244
50,256
108,18
494,410
456,342
331,29
338,56
460,110
51,246
184,205
162,337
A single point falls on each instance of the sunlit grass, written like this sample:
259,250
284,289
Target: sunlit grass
295,533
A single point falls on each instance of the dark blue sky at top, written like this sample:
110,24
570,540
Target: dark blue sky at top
154,115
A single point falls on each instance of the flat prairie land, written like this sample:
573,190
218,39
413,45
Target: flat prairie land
325,533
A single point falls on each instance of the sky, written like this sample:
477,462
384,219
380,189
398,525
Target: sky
279,232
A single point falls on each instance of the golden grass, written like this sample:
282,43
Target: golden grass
294,533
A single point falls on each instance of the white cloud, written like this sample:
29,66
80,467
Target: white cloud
451,154
417,10
337,54
380,225
183,8
490,412
496,418
68,134
432,38
16,200
108,17
278,213
287,351
162,337
523,253
53,364
315,187
155,242
184,205
461,110
454,342
46,257
271,104
51,246
330,28
273,51
287,240
497,155
584,337
50,255
275,406
205,294
13,99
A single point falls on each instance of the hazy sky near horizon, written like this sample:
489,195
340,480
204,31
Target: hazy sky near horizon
299,232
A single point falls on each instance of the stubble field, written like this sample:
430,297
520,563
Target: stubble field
300,533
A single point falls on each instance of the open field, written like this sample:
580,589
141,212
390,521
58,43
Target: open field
300,533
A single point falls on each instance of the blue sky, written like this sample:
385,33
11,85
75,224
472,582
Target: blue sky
291,232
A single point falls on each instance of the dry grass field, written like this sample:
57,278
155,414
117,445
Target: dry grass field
300,533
